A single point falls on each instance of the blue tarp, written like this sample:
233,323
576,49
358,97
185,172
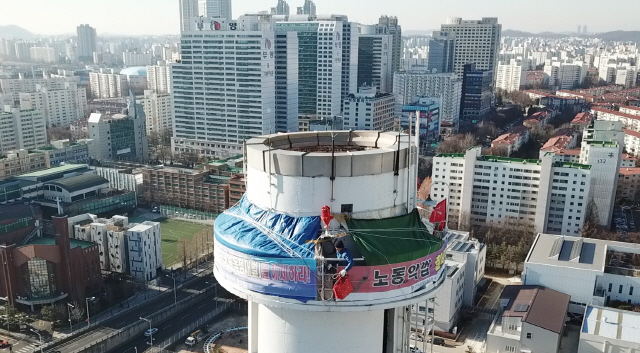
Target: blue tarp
253,231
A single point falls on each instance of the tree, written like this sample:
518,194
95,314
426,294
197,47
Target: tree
189,158
77,312
59,133
183,250
425,189
499,150
52,313
456,144
520,98
591,227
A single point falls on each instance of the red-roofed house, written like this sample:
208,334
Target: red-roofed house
582,120
570,156
631,110
630,122
513,140
535,94
628,160
564,139
573,94
628,184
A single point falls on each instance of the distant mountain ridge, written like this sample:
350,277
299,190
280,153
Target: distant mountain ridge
15,32
617,36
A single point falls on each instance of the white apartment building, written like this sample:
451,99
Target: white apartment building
22,129
477,41
510,76
158,109
498,191
606,329
20,162
591,271
59,98
159,78
137,59
144,244
602,146
369,110
43,55
632,142
108,84
564,75
408,85
224,87
631,110
626,76
109,234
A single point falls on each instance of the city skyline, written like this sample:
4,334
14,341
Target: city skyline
125,17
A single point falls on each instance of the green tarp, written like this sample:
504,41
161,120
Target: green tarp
393,240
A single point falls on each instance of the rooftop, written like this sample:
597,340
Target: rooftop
51,241
538,306
615,112
583,118
80,182
612,323
51,171
629,171
489,158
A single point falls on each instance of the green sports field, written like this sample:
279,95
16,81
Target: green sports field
172,231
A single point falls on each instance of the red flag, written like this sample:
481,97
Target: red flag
439,215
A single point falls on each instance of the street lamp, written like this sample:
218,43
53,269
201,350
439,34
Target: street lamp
87,301
150,331
69,306
175,297
39,335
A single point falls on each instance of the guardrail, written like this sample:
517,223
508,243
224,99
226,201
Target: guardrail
95,322
115,339
207,345
162,348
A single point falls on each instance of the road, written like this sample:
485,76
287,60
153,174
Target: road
134,315
19,346
175,324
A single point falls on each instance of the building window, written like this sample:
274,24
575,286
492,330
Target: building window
41,278
610,285
510,349
631,290
529,335
620,289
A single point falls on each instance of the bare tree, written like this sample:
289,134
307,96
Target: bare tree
521,98
456,144
77,312
183,251
425,189
499,150
59,133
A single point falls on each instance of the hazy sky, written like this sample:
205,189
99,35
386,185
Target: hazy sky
161,16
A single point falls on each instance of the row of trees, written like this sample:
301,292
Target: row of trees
59,313
196,249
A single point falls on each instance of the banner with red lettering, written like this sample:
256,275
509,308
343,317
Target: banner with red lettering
285,277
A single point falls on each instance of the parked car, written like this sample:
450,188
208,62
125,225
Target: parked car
150,332
439,341
414,349
416,337
4,344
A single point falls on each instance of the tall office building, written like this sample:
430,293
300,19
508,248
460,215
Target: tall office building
477,92
224,87
327,63
476,42
389,25
282,8
215,9
86,43
375,60
287,86
309,8
408,85
441,52
188,10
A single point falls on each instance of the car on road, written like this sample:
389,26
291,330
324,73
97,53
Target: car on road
150,332
438,341
414,349
4,344
416,337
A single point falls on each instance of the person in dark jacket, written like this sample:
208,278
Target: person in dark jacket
345,254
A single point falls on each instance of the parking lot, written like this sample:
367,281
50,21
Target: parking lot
624,219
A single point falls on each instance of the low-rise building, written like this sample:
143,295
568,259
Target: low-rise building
368,110
591,271
629,121
531,319
145,250
609,330
22,161
628,184
64,151
631,110
582,120
512,140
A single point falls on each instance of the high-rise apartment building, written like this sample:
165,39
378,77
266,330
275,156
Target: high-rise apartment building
107,83
408,85
43,55
158,109
224,87
510,75
137,59
282,8
368,110
22,129
159,78
441,52
86,43
476,42
215,9
287,65
564,75
23,50
375,59
477,93
59,98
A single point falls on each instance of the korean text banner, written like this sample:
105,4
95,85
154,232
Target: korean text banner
411,274
285,277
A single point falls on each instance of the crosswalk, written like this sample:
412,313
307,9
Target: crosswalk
26,349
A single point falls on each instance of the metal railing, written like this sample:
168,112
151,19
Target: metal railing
207,345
